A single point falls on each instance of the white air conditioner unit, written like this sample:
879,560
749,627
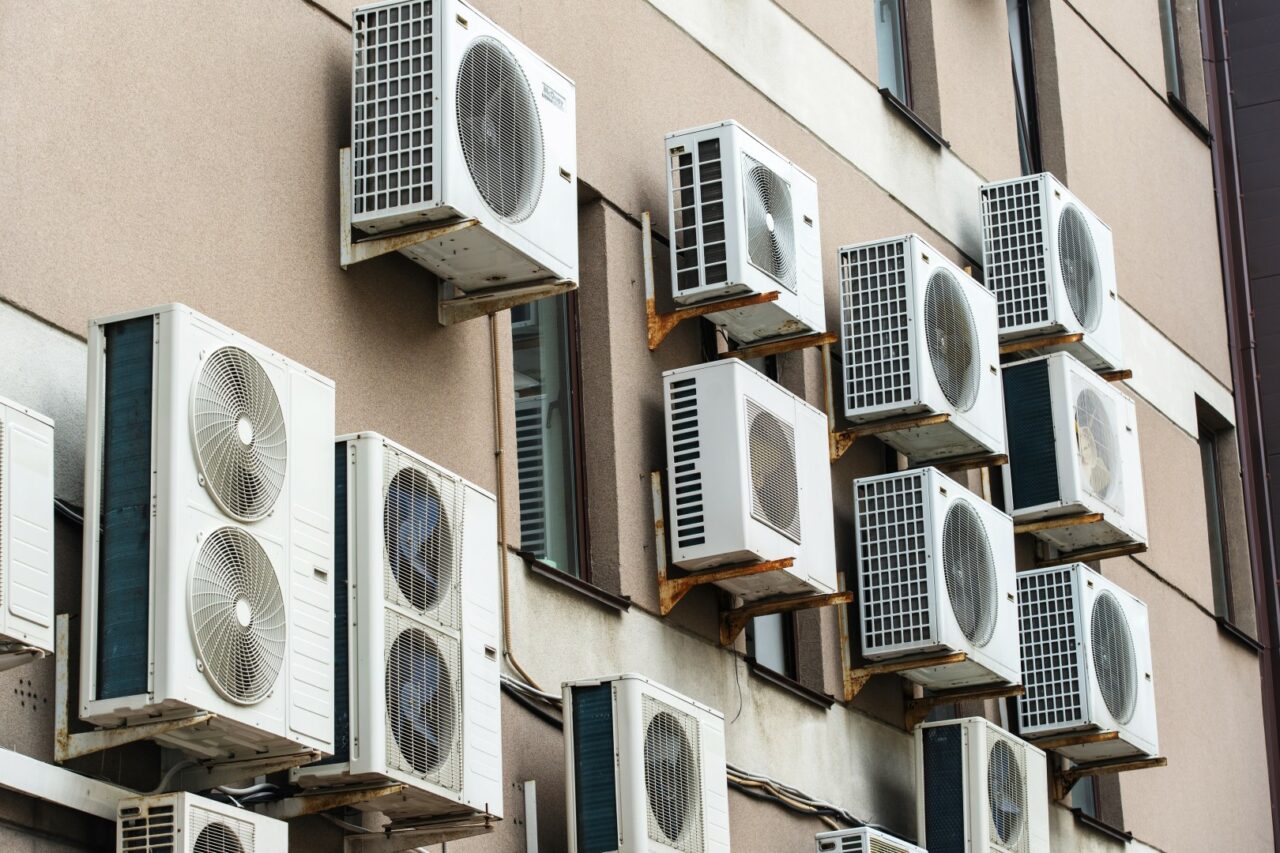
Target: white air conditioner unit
920,337
645,769
980,789
748,478
208,550
935,576
417,635
744,220
1086,662
1051,262
186,823
863,840
1074,450
453,119
26,535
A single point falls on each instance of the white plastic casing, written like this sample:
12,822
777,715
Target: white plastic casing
714,517
26,534
1023,265
297,536
862,840
522,245
1123,508
888,368
905,603
174,822
1060,663
710,256
466,613
635,820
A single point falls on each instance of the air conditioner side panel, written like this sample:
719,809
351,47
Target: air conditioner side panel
367,625
482,724
26,501
715,789
628,727
817,561
1037,801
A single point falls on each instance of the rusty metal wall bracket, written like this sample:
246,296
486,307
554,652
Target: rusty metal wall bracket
322,799
452,309
1057,522
1065,780
841,441
968,463
401,841
66,745
1116,375
856,678
212,773
767,348
1013,347
918,709
732,622
1085,555
1049,744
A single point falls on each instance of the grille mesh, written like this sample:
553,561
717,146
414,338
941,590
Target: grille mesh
237,615
422,527
499,129
239,433
1050,647
149,827
970,572
672,777
952,339
893,574
1096,448
1078,262
1007,794
697,216
531,425
1014,252
424,702
393,122
775,485
1115,665
771,238
874,319
686,452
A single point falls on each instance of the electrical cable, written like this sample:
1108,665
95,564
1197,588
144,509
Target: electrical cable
529,706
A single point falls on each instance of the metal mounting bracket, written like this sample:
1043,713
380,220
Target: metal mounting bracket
1013,347
777,347
1064,780
319,800
732,622
967,463
856,678
453,309
1058,522
918,709
1085,555
398,842
1049,744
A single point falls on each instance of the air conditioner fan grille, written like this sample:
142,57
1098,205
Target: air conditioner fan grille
1007,795
952,339
1078,262
1096,447
1115,665
775,484
771,238
970,572
422,525
672,777
423,702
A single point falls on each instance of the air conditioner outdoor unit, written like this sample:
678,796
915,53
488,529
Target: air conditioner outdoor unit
26,535
920,337
208,550
187,823
863,840
980,789
645,769
1086,662
1074,450
417,635
1051,262
744,220
935,576
748,478
452,119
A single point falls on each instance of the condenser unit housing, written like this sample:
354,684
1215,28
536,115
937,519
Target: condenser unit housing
1051,263
645,769
748,478
863,840
26,535
1073,449
208,547
416,635
935,576
1086,662
187,823
744,220
920,337
453,119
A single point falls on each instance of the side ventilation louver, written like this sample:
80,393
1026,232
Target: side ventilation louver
143,830
894,578
944,789
686,476
876,325
595,785
1032,449
698,216
1050,650
1013,237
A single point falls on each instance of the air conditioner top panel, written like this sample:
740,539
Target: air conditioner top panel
987,724
1052,184
648,682
6,403
741,365
369,435
231,335
924,245
735,124
1074,365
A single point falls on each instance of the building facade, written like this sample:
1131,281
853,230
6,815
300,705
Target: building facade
160,155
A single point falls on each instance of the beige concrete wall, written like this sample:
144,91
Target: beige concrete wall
1131,30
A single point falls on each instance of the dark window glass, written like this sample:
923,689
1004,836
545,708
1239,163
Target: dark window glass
1216,518
771,642
1024,86
1084,796
891,48
1172,57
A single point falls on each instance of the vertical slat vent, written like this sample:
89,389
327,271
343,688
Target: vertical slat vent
686,471
594,780
341,612
423,701
393,121
874,319
672,777
893,571
775,480
531,425
1050,644
1033,453
148,828
1014,251
862,840
698,215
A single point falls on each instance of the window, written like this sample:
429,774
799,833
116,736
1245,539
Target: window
891,47
544,339
1229,566
771,643
1172,57
1024,86
1214,515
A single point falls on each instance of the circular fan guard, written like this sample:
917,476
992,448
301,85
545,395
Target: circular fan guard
1096,444
239,434
773,471
771,242
952,339
420,701
1115,664
1007,793
669,778
237,615
217,838
418,538
970,572
499,129
1078,260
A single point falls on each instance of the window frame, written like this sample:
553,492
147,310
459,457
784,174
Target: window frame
902,45
1174,75
1215,520
1027,107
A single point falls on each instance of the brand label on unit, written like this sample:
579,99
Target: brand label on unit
549,94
